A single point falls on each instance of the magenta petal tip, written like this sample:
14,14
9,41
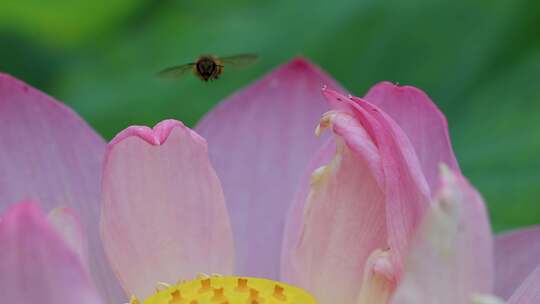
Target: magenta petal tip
300,63
26,208
155,136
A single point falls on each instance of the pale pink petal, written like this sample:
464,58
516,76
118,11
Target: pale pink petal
295,217
423,123
403,184
529,291
379,279
261,140
50,154
164,216
36,266
343,219
516,253
451,258
69,227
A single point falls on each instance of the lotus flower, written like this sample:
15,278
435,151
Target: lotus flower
375,210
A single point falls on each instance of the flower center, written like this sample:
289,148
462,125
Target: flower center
229,290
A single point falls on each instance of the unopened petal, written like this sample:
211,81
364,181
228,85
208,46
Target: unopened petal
36,265
403,184
422,121
451,258
164,216
343,219
260,140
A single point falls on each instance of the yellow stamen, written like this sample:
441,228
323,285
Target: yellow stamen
229,290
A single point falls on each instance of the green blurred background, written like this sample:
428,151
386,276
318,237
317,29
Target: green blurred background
478,59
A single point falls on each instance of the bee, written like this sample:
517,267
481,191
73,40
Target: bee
208,67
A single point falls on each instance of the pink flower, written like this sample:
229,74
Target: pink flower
375,211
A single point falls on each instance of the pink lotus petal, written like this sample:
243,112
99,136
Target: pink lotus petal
516,253
164,216
423,123
261,139
451,258
50,154
36,266
69,227
343,220
405,189
529,291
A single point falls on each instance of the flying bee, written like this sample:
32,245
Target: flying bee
208,67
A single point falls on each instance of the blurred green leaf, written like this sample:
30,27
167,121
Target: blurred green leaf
63,22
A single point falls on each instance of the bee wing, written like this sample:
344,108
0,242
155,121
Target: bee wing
240,60
175,71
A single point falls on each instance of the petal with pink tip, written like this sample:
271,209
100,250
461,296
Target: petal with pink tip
343,219
261,140
422,121
69,227
36,266
516,253
404,186
50,154
164,216
451,258
529,291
